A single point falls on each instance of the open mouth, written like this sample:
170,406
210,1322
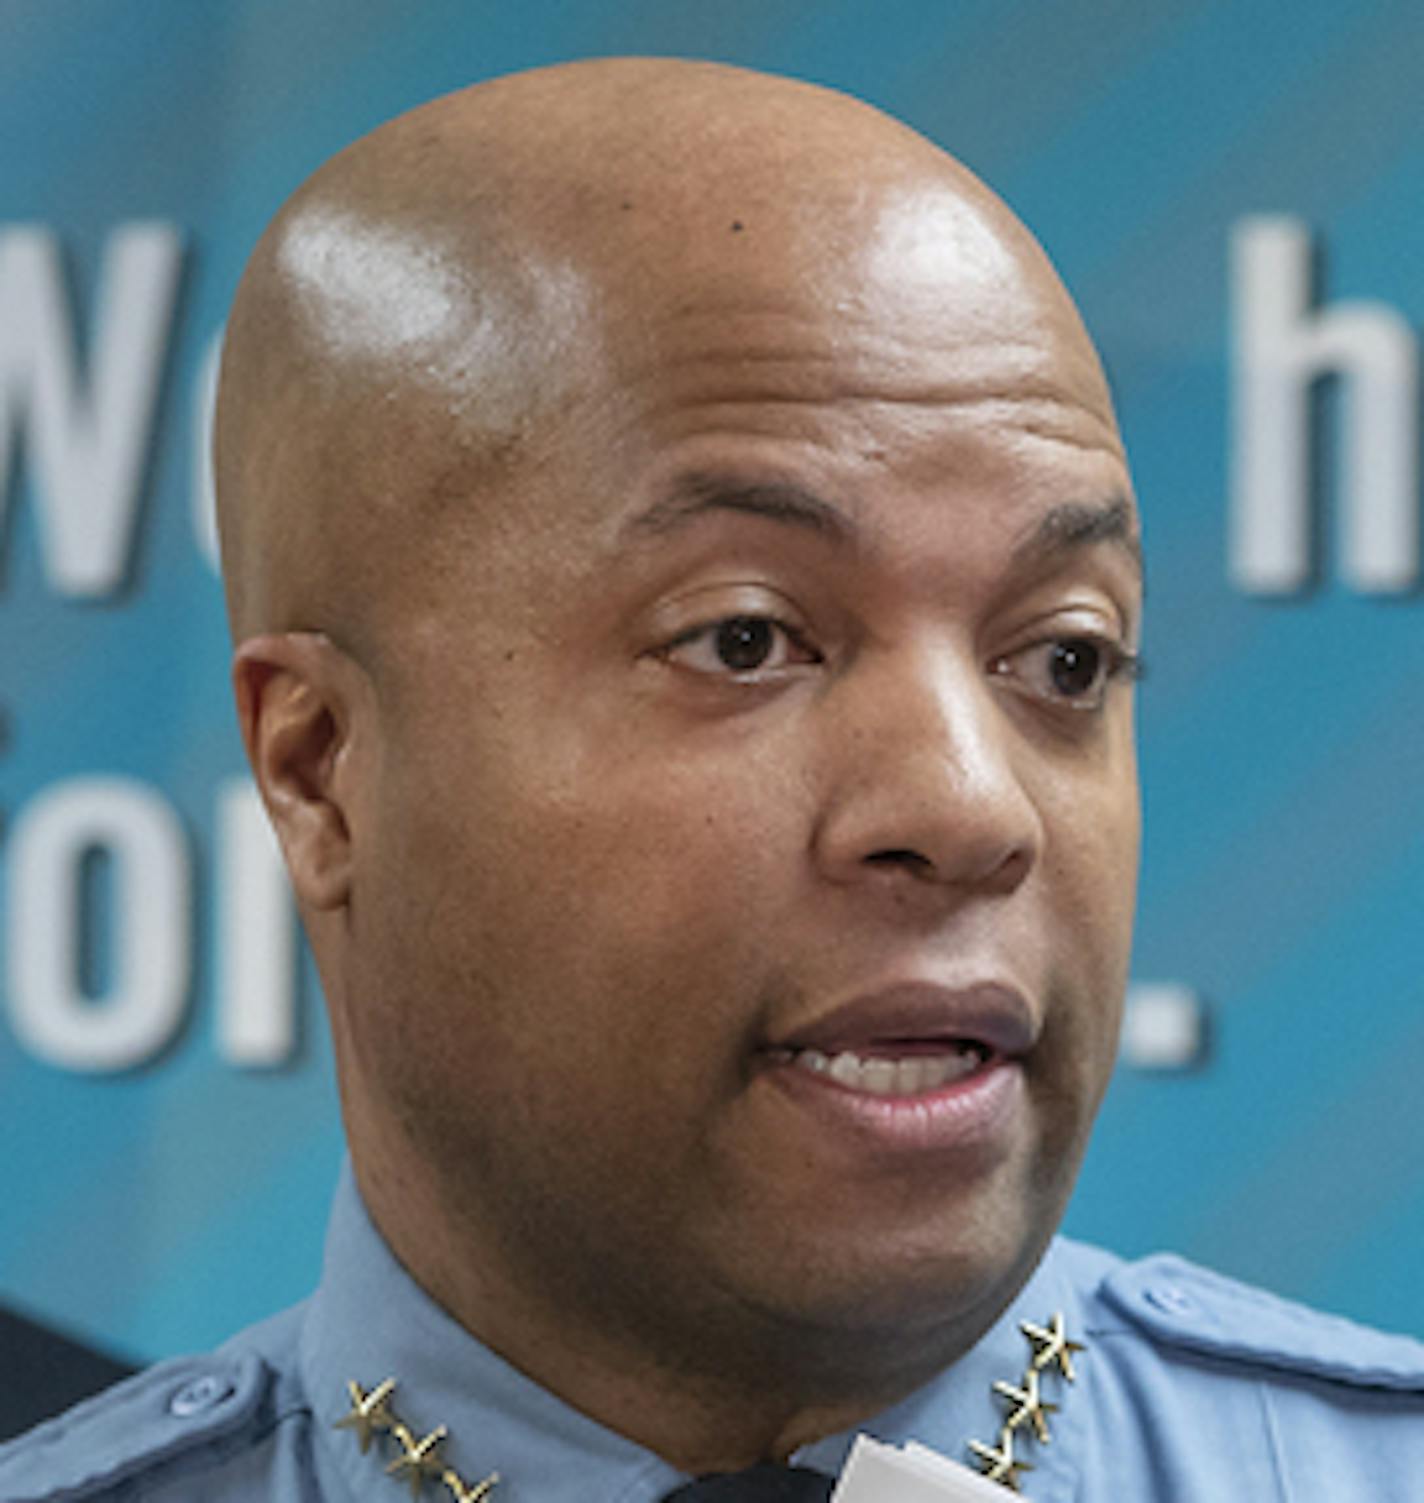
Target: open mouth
905,1070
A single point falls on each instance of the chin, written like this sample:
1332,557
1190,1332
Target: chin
886,1311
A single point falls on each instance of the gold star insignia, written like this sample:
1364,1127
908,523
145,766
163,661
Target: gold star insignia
418,1461
473,1494
1027,1405
997,1463
1050,1345
370,1412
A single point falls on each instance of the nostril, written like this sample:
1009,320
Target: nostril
908,859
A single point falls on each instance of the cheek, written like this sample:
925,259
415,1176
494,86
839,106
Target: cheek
578,920
1089,876
1094,823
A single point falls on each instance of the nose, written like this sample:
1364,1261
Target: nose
926,785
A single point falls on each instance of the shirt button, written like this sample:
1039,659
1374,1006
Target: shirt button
1171,1300
199,1395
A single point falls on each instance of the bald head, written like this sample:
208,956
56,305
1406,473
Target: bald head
446,294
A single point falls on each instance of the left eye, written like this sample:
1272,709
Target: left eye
740,645
1074,671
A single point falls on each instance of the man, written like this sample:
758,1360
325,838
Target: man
686,588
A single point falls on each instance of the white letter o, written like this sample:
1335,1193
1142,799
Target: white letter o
151,943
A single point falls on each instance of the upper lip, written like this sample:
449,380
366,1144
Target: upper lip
990,1013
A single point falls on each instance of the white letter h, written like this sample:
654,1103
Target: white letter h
1281,347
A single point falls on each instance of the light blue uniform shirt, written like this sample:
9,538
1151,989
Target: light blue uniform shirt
1189,1389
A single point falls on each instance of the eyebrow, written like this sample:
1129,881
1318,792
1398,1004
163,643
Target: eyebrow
777,500
1073,525
1062,530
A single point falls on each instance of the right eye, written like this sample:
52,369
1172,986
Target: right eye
740,646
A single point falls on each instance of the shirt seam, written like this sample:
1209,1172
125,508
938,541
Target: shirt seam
1273,1438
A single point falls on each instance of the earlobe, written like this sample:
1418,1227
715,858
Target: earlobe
295,706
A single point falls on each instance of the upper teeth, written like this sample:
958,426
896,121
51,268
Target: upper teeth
910,1075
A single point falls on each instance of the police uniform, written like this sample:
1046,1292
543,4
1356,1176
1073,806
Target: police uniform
1105,1382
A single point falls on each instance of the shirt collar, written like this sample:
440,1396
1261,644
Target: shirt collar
960,1403
370,1321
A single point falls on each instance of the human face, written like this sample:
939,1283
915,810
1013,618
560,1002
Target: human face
748,862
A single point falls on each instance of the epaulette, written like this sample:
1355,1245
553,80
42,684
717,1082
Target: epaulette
1181,1305
139,1424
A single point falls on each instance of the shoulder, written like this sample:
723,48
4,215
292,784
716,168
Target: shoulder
1179,1306
1203,1370
215,1426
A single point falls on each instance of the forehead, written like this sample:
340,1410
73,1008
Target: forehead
927,342
910,295
857,339
880,257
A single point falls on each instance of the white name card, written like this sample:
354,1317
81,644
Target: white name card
880,1473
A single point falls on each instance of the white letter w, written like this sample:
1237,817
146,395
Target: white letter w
87,441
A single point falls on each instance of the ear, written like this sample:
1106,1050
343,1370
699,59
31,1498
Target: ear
298,697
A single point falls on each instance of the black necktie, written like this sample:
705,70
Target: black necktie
758,1484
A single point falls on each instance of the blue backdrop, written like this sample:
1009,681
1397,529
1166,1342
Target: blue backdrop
170,1134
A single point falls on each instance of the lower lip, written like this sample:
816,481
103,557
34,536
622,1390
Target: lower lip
972,1117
